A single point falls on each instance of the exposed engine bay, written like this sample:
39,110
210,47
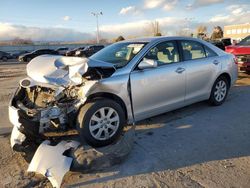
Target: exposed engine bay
49,106
48,100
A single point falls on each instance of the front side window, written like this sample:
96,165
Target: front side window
119,54
164,53
192,50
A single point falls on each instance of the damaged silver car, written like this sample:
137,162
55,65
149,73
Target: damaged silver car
121,84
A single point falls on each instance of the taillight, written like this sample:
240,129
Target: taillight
235,59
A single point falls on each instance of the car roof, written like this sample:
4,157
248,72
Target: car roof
155,39
62,48
164,38
43,49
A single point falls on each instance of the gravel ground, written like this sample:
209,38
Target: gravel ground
196,146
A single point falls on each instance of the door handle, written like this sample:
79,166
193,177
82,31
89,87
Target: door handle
180,70
216,62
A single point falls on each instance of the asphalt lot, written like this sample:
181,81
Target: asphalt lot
196,146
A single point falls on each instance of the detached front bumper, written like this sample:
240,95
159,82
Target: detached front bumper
17,138
24,130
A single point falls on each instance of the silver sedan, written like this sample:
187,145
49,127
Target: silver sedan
121,84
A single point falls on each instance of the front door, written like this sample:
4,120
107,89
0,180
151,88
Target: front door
162,88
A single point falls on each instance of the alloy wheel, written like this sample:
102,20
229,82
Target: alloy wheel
104,123
220,91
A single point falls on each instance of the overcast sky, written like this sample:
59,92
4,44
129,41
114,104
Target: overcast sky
64,20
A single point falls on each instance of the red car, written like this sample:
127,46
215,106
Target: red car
242,53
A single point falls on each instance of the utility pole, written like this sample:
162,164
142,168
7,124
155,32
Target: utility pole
188,21
96,14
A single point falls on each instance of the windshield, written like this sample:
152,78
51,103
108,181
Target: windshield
119,54
245,41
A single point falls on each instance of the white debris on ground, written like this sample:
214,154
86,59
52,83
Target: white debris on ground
50,161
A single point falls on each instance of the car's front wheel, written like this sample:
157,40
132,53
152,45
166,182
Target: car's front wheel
219,91
100,122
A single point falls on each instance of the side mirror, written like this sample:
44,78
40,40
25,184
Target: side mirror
147,64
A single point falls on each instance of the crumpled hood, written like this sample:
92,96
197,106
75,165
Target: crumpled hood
61,70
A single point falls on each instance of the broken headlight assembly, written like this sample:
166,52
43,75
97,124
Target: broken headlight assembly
47,108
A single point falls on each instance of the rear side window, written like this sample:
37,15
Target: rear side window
192,50
209,52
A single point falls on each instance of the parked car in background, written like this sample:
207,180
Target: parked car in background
17,54
4,56
222,43
88,51
97,96
242,53
226,41
28,56
72,52
62,51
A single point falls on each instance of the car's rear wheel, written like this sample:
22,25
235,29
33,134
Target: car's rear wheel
100,122
219,91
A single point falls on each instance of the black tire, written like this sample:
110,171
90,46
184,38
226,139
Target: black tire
84,117
4,58
213,100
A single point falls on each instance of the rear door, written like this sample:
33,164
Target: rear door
157,90
202,66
